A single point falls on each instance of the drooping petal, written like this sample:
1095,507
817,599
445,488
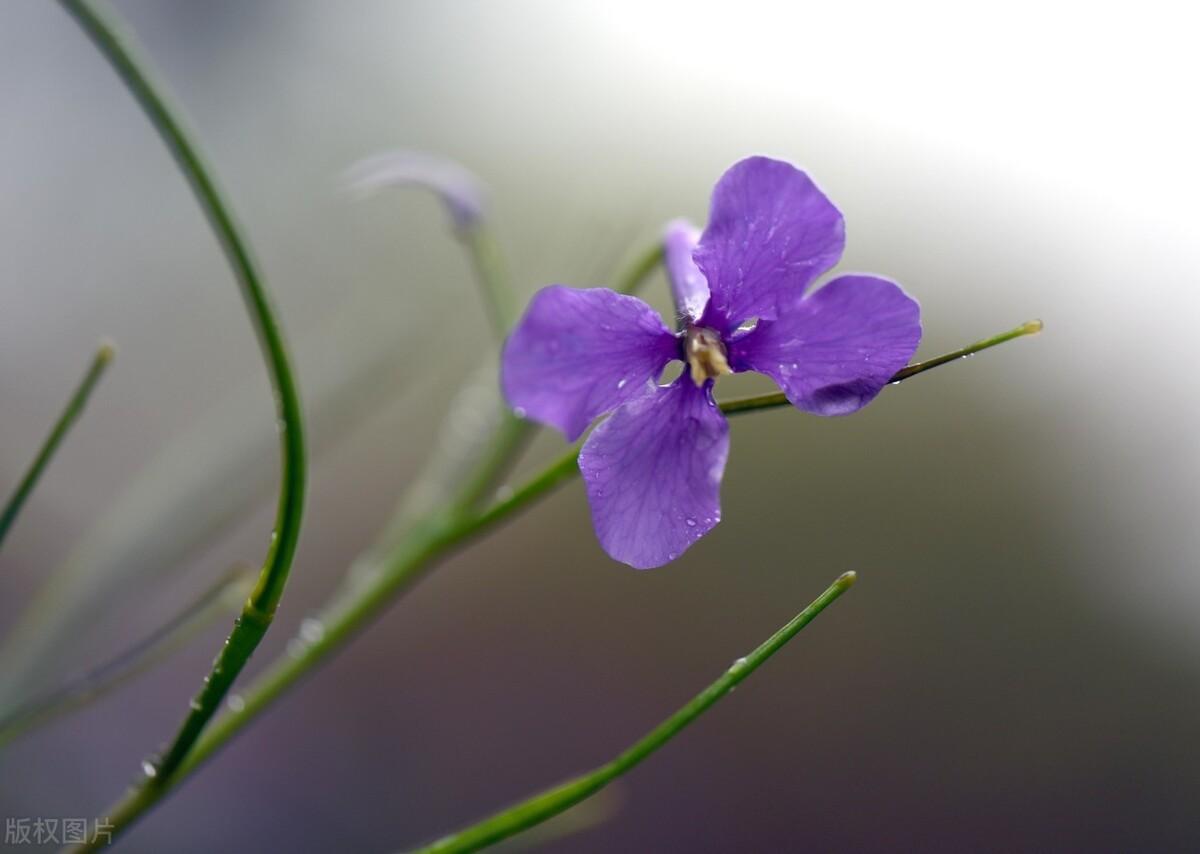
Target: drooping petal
460,191
834,350
653,473
688,285
577,354
770,234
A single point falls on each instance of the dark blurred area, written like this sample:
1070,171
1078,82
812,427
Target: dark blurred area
1018,668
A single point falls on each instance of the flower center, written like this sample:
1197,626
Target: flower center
706,356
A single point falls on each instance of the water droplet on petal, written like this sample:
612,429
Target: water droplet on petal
691,523
621,383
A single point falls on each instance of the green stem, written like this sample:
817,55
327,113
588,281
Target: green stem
560,798
641,268
260,607
222,598
777,398
491,272
545,481
389,574
1029,327
104,355
384,578
510,438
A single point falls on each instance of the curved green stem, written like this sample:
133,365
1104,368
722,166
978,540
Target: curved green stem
491,272
221,600
102,359
383,578
640,269
260,607
553,801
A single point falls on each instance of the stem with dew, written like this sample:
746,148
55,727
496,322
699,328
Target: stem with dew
385,578
553,801
260,606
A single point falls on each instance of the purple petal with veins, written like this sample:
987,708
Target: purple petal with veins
653,473
653,469
834,350
579,353
770,233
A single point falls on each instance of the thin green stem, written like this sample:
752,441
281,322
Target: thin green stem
547,480
222,599
510,438
260,607
102,359
383,579
639,271
777,399
491,272
1029,327
553,801
387,575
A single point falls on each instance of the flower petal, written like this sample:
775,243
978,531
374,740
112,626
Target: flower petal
833,351
688,285
577,354
460,191
770,234
653,473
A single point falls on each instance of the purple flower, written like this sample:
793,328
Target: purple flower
653,469
458,188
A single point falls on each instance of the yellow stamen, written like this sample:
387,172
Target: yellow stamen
706,355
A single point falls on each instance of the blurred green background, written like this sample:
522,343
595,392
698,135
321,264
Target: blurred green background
1018,668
